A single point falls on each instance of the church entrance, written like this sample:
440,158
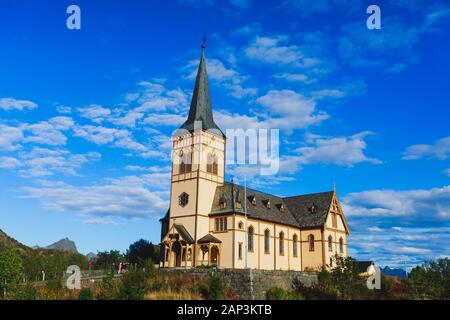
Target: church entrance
176,249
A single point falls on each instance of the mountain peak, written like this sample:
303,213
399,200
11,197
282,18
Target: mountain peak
64,245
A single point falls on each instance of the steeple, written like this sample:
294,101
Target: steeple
200,112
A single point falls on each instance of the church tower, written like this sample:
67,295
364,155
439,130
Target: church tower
198,165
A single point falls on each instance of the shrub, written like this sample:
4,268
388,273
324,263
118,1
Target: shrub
213,289
133,286
85,294
108,289
276,293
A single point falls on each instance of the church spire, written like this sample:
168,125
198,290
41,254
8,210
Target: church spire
200,113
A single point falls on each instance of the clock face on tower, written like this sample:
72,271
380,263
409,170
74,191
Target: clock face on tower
183,199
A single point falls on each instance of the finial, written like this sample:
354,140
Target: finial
334,187
204,38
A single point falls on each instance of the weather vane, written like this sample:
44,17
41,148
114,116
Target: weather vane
204,38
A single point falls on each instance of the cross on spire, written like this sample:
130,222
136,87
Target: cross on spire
204,39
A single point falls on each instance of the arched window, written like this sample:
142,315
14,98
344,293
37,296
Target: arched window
267,241
341,245
251,231
186,163
311,242
294,245
241,225
281,245
212,165
330,243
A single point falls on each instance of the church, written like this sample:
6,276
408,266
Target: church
212,222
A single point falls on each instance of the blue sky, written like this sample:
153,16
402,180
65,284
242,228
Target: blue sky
86,115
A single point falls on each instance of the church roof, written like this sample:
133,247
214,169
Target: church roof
209,238
184,233
200,113
293,211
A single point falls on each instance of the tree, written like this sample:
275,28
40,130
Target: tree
105,260
143,250
10,270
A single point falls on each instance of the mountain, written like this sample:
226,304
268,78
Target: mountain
400,273
91,256
64,245
7,241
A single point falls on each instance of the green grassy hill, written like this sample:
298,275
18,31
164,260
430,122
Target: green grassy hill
7,241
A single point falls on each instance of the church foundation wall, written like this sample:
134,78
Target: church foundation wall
249,284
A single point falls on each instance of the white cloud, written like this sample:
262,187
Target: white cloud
296,111
155,97
432,204
271,50
102,135
294,77
64,109
440,150
48,132
447,172
95,113
42,162
10,138
165,119
126,197
9,104
344,151
9,163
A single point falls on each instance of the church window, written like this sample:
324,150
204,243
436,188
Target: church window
251,231
240,251
294,245
313,209
183,199
334,220
330,243
281,245
267,241
341,245
222,202
241,225
253,198
220,224
186,163
267,203
311,242
211,165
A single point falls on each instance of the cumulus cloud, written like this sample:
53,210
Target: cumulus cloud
344,151
10,138
9,104
95,113
431,204
127,197
440,150
43,162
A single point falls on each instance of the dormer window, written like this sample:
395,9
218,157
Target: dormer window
313,209
222,202
238,205
281,207
267,204
237,199
252,200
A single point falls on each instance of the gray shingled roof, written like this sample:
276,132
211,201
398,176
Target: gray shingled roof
200,110
297,210
209,238
184,233
300,207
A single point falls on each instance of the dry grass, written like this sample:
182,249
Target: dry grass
173,295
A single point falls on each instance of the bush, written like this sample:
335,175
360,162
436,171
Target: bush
25,292
213,289
108,289
276,293
85,294
133,286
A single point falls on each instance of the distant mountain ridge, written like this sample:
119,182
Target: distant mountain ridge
64,245
7,241
400,273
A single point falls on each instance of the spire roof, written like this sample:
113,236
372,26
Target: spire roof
200,113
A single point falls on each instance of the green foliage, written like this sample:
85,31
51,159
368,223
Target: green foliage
431,280
108,289
53,262
85,294
24,292
10,270
142,251
276,293
133,286
213,289
108,260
